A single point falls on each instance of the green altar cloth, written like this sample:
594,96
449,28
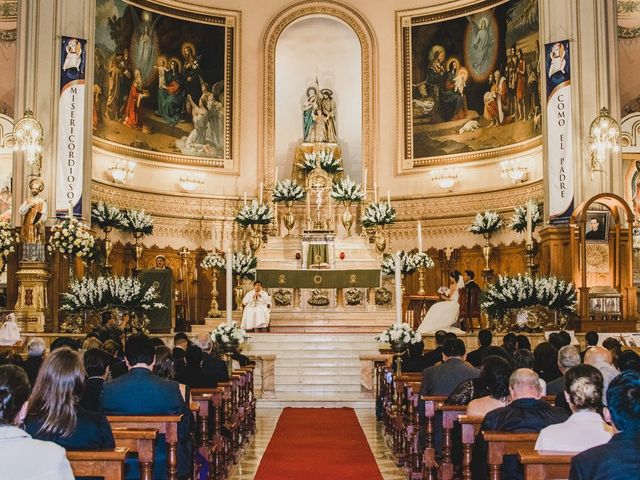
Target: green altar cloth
319,278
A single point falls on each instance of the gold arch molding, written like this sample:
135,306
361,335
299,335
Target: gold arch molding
368,55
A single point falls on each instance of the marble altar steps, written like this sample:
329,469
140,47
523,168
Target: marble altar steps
330,322
315,369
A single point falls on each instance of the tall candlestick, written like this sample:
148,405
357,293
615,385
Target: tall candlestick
229,286
364,184
276,180
529,239
398,286
388,198
375,191
419,236
245,199
261,187
330,207
70,210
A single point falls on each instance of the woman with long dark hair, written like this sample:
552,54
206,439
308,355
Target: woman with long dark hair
21,457
55,413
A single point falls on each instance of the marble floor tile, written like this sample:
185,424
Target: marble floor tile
266,423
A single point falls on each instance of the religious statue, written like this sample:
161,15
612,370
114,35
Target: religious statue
34,212
319,116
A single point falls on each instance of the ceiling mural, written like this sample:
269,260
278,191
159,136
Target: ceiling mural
629,54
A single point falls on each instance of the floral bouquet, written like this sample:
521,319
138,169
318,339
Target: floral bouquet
408,263
71,237
287,191
255,213
519,219
106,216
347,191
399,335
325,157
213,261
423,260
137,222
232,335
487,222
244,265
378,213
444,291
8,240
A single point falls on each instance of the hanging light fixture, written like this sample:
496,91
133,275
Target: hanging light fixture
28,136
121,171
516,170
604,137
445,178
190,182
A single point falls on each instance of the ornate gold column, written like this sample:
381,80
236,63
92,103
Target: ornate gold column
31,306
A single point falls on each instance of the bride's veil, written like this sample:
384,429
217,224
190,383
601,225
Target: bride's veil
460,282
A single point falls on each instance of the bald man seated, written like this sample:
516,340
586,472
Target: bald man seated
602,359
526,413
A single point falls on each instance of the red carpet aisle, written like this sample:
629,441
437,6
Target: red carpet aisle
318,443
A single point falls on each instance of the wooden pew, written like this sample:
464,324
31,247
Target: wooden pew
400,419
165,424
470,428
413,466
450,414
140,441
545,465
429,455
107,463
500,444
209,401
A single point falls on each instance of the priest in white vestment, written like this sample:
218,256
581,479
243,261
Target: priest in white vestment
257,308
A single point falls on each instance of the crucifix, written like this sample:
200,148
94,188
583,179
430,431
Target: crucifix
318,183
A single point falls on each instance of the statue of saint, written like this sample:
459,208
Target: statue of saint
319,116
34,212
328,108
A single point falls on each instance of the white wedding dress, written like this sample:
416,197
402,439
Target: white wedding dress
442,315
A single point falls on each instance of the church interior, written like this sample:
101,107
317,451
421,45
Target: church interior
321,239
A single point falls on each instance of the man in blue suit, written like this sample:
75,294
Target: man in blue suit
140,392
619,459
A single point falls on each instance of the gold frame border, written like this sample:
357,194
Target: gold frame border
230,20
406,163
368,63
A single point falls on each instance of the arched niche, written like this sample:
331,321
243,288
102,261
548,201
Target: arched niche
286,25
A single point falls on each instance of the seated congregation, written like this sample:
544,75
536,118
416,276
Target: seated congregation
98,410
512,413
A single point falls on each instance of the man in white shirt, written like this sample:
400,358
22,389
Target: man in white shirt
585,428
257,308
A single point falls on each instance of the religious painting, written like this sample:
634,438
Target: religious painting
470,82
164,83
628,13
597,227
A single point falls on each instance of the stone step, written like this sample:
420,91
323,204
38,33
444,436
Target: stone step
314,399
316,388
312,354
335,379
301,362
327,329
293,338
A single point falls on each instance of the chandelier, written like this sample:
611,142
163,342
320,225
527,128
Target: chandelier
190,183
445,178
604,137
121,171
28,136
516,170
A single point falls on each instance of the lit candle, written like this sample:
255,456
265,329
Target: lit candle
330,207
275,215
389,198
70,211
364,183
419,236
375,191
308,206
229,286
276,181
529,239
261,187
398,285
245,199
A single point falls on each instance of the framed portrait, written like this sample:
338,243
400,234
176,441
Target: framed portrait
166,83
469,82
597,227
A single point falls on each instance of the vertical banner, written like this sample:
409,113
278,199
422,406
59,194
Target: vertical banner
559,134
70,170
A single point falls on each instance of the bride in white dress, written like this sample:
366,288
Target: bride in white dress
443,315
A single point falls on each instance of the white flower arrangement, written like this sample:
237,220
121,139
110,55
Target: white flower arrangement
8,240
225,335
325,157
102,293
486,223
244,265
347,190
287,191
378,213
401,334
408,263
71,237
518,221
522,291
213,261
423,260
137,222
255,213
106,216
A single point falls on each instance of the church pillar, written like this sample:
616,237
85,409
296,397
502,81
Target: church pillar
590,26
